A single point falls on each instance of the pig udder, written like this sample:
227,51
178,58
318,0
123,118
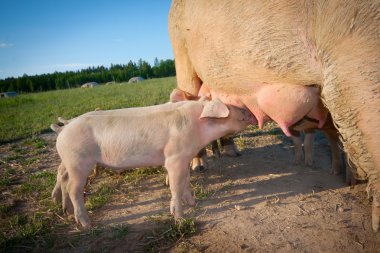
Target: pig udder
284,103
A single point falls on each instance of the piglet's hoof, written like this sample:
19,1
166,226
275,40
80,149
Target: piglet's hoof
176,209
83,219
86,225
57,195
187,198
67,207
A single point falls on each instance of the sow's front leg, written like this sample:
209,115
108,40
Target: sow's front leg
353,98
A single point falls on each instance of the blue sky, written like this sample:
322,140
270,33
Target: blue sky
41,36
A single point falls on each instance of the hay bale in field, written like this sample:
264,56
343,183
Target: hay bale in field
90,85
136,79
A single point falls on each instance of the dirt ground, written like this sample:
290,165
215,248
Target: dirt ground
258,202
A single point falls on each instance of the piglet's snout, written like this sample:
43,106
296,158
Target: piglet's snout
242,115
246,115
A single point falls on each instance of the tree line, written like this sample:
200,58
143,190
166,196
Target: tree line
100,74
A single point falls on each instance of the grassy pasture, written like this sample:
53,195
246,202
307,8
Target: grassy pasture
30,114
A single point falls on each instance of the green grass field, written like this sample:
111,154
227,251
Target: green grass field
31,114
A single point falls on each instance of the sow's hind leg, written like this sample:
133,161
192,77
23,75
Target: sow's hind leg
353,98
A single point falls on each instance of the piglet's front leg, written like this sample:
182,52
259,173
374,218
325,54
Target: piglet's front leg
178,172
187,196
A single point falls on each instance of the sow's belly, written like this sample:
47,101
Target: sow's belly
284,103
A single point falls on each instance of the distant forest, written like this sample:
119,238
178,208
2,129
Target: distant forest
100,74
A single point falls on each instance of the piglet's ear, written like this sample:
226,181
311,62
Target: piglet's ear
180,95
215,109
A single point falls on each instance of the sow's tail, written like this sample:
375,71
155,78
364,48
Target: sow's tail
56,128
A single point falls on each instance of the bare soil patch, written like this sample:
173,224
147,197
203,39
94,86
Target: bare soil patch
259,202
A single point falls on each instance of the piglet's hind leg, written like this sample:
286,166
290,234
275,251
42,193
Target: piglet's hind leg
77,181
67,205
57,192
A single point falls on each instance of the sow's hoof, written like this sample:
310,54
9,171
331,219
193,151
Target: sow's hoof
374,192
376,216
350,178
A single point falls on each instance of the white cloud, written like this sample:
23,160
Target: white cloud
4,45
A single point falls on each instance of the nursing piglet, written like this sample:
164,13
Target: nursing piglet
170,134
